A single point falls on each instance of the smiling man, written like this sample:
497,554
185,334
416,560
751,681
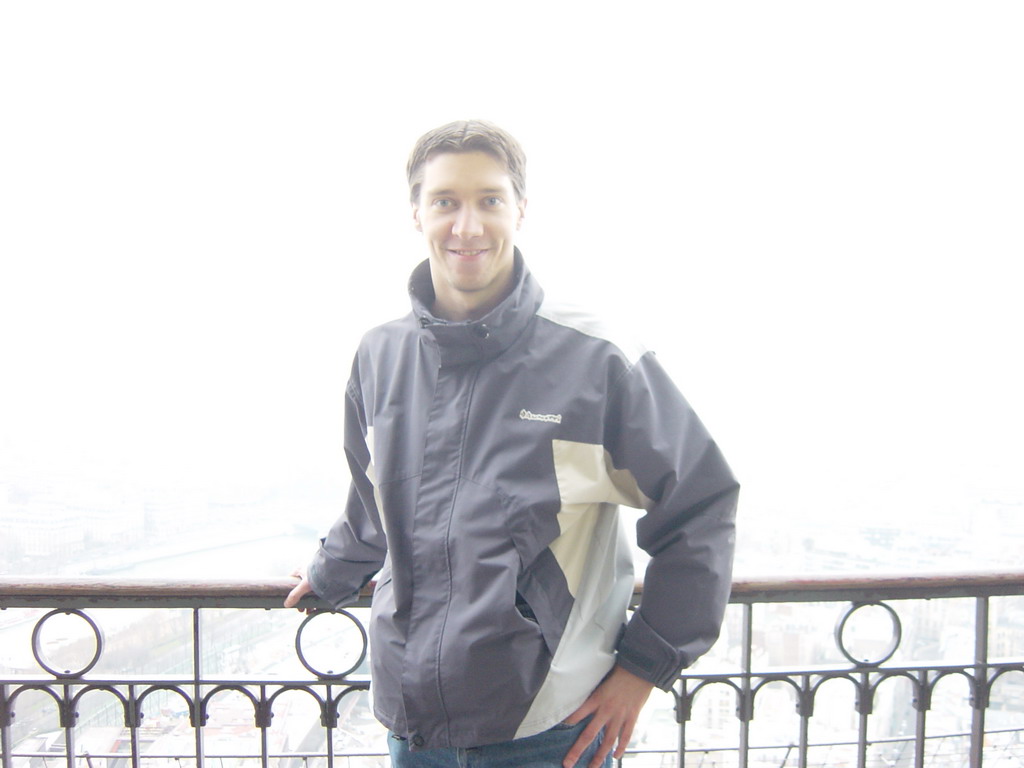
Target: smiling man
469,212
491,435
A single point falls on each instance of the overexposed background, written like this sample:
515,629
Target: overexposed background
812,211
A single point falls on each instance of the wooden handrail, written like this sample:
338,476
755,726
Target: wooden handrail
18,591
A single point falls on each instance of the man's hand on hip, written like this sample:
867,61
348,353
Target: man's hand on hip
615,705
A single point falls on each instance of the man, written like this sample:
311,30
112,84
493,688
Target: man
491,435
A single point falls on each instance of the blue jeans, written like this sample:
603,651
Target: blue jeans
545,750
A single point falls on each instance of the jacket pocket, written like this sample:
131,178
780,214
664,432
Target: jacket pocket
524,608
542,594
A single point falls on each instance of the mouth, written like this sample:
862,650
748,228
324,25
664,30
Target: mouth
467,254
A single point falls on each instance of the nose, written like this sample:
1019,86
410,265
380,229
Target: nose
467,223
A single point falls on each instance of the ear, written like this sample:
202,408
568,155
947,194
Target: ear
522,213
416,218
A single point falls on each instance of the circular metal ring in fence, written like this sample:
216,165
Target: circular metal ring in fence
60,645
868,634
329,641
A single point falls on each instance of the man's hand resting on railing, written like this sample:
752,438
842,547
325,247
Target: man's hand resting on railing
300,590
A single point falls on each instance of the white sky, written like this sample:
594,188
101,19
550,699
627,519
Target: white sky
811,210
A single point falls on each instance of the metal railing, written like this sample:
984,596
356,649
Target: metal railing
772,692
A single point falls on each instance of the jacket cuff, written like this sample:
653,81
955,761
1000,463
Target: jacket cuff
328,576
646,654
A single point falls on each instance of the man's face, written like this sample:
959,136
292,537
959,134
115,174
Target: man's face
468,212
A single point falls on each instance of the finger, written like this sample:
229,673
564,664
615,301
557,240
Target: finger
580,746
606,746
580,714
600,755
624,736
297,593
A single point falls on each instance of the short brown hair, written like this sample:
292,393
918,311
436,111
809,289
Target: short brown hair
468,136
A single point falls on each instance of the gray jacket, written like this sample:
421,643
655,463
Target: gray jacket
488,461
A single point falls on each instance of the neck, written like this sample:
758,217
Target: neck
464,306
460,308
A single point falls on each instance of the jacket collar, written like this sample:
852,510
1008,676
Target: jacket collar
476,340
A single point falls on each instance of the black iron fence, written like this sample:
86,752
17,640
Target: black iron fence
858,671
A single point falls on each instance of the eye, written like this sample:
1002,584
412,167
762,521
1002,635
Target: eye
493,202
443,203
